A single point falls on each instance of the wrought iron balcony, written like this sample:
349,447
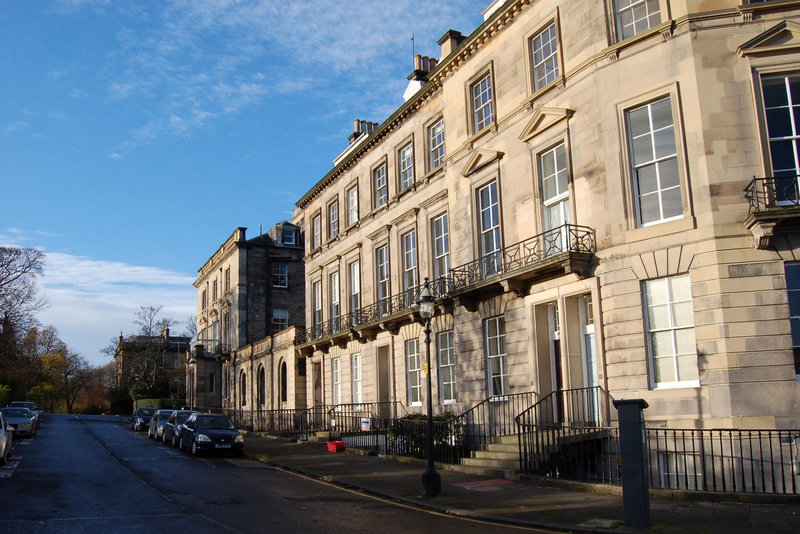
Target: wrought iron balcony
772,202
567,248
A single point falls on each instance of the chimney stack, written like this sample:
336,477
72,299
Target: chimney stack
423,65
449,41
361,127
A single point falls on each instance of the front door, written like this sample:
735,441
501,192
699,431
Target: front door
383,369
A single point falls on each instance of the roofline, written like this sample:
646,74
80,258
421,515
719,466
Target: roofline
435,78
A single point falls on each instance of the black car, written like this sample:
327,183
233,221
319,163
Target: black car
210,433
140,420
172,428
157,422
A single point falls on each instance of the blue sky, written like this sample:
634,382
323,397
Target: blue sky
136,135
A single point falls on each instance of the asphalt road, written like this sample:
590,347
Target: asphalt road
92,474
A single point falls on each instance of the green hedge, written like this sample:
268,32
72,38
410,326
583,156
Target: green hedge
160,404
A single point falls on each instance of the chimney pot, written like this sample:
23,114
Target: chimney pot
417,62
449,41
356,125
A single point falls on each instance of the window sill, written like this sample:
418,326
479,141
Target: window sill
483,133
692,384
642,233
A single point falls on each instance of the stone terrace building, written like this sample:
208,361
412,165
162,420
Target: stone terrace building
577,180
246,292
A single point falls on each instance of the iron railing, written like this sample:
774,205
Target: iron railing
725,460
772,192
493,417
566,238
454,438
569,434
300,424
356,417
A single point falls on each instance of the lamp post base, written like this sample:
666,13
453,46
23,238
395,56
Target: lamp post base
431,483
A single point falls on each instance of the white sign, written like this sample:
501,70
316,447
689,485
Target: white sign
365,424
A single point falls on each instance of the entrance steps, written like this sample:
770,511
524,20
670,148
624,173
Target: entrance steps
500,459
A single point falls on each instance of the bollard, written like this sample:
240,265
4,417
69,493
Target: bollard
635,484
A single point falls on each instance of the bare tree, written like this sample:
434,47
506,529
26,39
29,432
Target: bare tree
191,326
19,269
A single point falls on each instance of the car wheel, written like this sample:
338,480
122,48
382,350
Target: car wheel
163,438
195,450
174,442
180,443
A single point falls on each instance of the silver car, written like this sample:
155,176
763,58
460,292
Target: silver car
21,420
6,440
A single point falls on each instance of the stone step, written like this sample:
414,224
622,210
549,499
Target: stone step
487,472
492,454
491,463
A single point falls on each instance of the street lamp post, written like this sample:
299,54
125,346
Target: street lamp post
431,481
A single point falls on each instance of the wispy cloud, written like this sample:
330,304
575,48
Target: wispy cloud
91,300
192,62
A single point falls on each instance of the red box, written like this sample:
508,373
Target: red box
335,446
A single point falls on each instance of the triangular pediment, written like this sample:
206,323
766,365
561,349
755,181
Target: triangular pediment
784,37
542,119
479,159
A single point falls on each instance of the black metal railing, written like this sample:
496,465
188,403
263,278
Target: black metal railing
724,460
300,424
525,254
570,434
356,417
491,418
772,192
566,238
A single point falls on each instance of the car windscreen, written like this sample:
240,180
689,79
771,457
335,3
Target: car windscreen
146,411
181,417
211,422
16,412
163,416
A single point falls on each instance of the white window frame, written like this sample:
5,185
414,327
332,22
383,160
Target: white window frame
380,185
352,205
354,281
436,150
288,237
333,219
672,476
280,275
316,231
382,282
316,297
355,372
544,56
554,173
629,20
490,237
482,102
445,347
676,312
280,319
414,367
496,354
645,158
408,243
440,240
336,381
792,273
405,165
334,306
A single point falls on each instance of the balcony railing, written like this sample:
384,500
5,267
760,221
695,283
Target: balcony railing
772,192
569,238
516,258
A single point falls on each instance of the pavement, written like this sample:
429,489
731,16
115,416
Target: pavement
531,502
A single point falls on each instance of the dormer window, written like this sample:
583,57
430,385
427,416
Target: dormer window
289,237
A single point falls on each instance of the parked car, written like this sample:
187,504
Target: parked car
6,440
157,422
36,411
141,418
172,428
210,433
21,420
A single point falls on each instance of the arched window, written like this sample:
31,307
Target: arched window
243,388
284,394
262,386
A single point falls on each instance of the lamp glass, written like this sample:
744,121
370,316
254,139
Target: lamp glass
426,308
